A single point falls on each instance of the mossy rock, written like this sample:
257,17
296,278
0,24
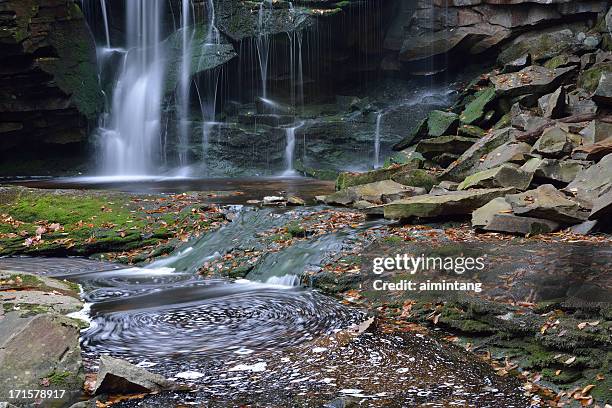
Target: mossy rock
475,111
589,79
416,178
442,123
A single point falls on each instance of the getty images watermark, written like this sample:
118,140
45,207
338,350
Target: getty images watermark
404,263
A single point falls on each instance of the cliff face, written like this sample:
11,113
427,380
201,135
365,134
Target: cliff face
49,93
427,36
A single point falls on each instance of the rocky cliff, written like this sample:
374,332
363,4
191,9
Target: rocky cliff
49,93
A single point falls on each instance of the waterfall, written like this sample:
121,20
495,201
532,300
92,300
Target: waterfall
377,141
185,81
263,49
289,150
105,19
131,134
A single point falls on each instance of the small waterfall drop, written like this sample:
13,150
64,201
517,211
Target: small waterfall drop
130,134
263,47
377,141
289,150
185,81
105,19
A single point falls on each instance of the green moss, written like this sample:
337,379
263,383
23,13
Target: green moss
416,178
589,78
565,376
474,112
441,123
59,377
295,229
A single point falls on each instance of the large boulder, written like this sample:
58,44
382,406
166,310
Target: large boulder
349,179
117,376
548,203
49,90
378,193
442,123
603,92
602,207
534,79
482,216
451,204
556,142
512,224
475,111
506,175
541,45
593,151
415,178
510,152
562,171
468,162
433,147
593,182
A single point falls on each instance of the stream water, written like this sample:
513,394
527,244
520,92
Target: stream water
263,340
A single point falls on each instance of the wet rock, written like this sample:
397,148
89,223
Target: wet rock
593,151
556,142
120,377
430,148
516,65
531,80
563,171
468,162
375,192
511,152
442,123
506,175
603,93
513,224
593,182
415,178
553,105
602,207
273,200
419,132
406,157
482,216
475,111
548,203
432,206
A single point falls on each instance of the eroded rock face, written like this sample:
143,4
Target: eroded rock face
48,83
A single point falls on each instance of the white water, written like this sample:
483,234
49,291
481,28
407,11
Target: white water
289,150
105,18
130,135
377,141
263,49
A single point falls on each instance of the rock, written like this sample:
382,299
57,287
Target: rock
430,148
584,228
603,93
513,224
295,201
376,192
419,132
548,203
579,102
591,183
593,151
506,175
510,152
525,120
602,207
444,159
49,89
468,162
274,200
541,45
562,61
517,64
482,216
431,206
531,80
449,185
563,171
589,79
349,179
596,131
406,157
553,105
120,377
39,346
556,142
472,131
475,111
442,123
415,178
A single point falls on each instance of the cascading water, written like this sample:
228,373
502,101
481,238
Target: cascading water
131,134
289,150
377,141
263,47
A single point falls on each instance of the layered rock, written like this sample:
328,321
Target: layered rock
49,91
